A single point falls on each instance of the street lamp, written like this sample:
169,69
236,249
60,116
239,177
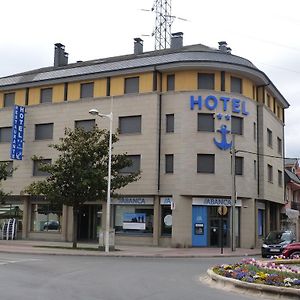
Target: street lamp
233,196
95,112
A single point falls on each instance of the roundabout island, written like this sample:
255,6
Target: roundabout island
277,278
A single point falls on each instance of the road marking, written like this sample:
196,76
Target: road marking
6,261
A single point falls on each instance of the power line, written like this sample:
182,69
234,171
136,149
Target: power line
272,156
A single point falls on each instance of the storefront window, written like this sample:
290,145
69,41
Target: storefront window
45,217
133,219
166,220
11,211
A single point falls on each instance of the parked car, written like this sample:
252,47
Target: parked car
275,242
292,250
51,225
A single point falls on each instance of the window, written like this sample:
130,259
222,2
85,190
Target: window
206,163
9,167
268,100
171,82
130,124
44,217
236,85
206,81
5,134
239,165
131,85
169,163
135,167
269,137
279,178
44,131
237,125
255,169
170,123
270,173
260,221
254,131
36,167
9,100
166,220
46,95
279,145
133,219
206,122
86,125
87,90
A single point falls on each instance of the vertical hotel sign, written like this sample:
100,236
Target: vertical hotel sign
16,151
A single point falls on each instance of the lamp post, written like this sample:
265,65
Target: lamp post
95,112
233,196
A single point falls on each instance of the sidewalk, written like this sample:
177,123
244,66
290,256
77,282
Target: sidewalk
46,247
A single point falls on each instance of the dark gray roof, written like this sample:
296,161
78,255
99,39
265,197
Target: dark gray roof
194,54
290,161
292,176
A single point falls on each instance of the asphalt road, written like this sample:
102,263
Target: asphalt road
32,277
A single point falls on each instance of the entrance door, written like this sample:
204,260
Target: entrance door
218,227
215,232
89,220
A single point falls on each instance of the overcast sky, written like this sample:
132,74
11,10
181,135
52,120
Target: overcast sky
265,32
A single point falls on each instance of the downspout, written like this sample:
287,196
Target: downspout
159,126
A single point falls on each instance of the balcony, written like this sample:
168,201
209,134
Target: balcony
295,205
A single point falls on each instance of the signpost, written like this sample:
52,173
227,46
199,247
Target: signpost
222,211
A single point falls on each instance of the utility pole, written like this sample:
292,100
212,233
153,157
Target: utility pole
233,196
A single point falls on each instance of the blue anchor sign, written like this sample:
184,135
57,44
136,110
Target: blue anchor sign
223,107
223,145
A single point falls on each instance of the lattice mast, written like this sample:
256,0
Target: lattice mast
163,22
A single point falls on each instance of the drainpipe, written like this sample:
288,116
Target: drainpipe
159,129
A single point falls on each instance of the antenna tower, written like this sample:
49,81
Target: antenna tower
163,22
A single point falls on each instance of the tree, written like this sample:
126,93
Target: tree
79,174
4,173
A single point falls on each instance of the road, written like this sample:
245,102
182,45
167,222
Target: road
46,277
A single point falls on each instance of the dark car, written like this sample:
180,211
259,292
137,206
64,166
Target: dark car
275,242
292,250
51,225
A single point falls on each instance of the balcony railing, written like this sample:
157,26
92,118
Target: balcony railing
295,205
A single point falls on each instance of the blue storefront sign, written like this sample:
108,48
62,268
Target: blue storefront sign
16,151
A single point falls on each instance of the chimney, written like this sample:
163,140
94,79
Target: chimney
60,56
138,46
177,40
223,47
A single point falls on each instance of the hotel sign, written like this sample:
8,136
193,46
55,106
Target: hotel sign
16,151
228,106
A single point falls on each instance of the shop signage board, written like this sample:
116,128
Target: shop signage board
16,150
133,201
215,201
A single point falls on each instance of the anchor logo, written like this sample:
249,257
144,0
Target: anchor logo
223,145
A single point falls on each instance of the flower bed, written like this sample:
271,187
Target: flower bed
269,273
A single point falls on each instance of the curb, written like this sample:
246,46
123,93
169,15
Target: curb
33,251
274,291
